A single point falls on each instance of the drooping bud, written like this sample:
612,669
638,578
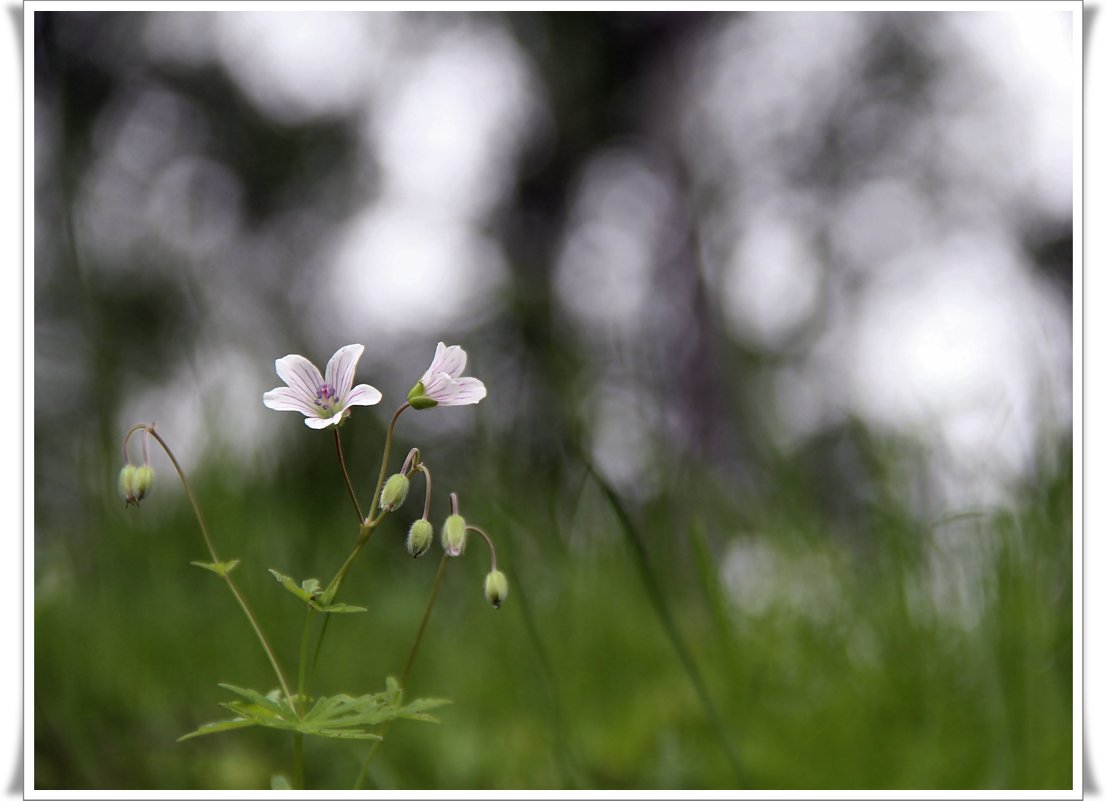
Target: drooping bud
143,480
127,484
394,492
418,397
419,537
135,482
453,535
495,588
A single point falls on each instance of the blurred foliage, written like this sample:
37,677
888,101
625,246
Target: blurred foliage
758,619
575,682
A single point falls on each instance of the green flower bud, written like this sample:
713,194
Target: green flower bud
394,492
127,484
134,483
143,480
495,588
418,398
453,535
419,537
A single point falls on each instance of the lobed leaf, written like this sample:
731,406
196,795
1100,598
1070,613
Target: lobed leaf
341,716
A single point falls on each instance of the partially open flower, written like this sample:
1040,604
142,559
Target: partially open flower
324,401
441,384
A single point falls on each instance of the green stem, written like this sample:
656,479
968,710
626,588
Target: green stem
214,557
426,498
346,476
301,680
407,668
487,540
298,760
365,531
375,513
426,616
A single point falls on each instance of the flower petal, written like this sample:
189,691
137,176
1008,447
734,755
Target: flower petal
300,374
438,351
452,361
469,390
362,395
436,386
340,369
323,422
287,399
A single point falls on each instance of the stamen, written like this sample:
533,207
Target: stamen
325,396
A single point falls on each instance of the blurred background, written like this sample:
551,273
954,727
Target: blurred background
775,315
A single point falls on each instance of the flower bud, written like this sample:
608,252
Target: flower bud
495,588
142,481
127,484
419,537
394,492
453,535
134,483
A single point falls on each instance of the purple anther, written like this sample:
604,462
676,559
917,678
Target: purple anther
325,395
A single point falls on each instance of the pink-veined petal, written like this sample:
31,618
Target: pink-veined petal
322,422
469,390
363,395
451,362
437,386
300,374
341,367
438,351
287,399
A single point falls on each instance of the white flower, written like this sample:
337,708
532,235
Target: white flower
323,401
441,384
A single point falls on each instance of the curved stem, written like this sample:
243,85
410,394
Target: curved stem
427,499
346,476
214,557
407,667
488,540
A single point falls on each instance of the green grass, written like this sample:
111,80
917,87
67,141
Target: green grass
622,658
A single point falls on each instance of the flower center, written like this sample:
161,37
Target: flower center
325,398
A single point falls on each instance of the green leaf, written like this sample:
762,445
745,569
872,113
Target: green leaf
342,717
309,591
337,607
218,568
289,584
215,728
279,782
